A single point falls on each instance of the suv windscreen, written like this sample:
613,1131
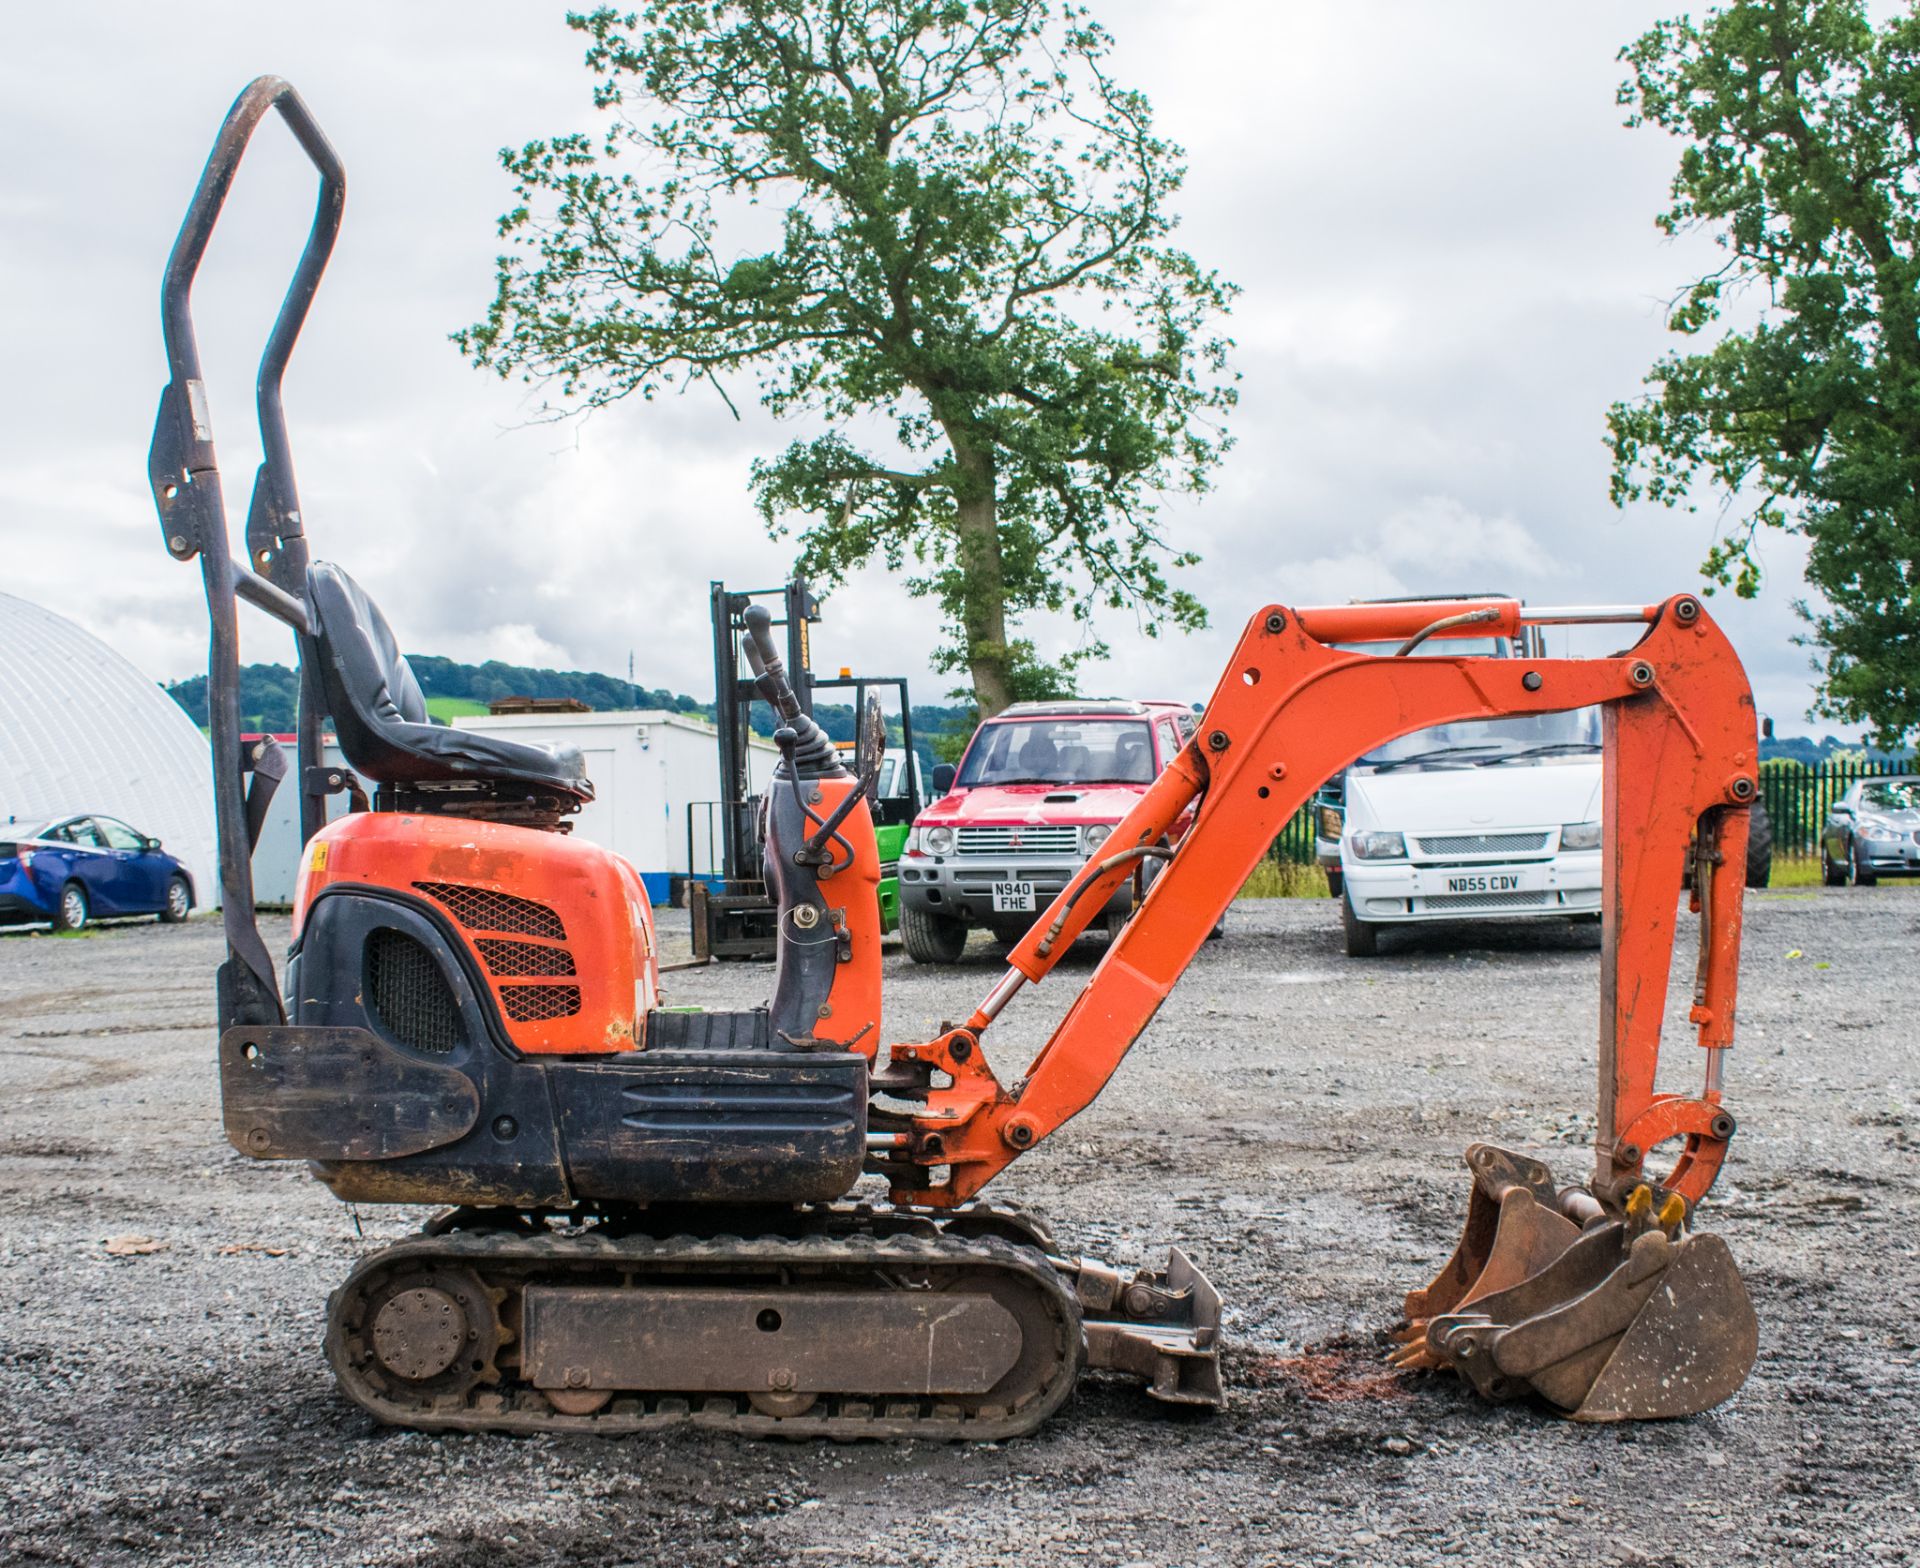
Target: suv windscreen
1492,742
1059,751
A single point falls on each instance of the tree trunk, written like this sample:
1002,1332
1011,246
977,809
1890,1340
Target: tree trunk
982,607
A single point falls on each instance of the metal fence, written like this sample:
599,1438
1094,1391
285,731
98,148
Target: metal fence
1799,795
1295,842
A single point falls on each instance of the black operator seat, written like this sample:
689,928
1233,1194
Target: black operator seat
381,718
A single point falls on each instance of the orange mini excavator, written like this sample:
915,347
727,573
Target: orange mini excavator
648,1216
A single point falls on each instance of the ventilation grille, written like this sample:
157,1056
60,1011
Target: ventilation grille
408,993
481,909
531,1004
1487,901
508,959
1482,843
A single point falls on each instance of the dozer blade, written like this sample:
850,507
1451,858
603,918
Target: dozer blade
1162,1326
1630,1322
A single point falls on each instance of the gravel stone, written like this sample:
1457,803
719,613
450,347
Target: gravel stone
1294,1118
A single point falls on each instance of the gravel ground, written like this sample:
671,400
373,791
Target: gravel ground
1295,1117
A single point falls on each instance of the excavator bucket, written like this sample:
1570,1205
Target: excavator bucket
1629,1319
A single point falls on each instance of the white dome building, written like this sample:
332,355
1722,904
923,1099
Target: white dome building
82,730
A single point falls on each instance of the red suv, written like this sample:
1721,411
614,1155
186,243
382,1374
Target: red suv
1039,789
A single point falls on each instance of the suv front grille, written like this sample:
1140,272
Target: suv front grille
1482,843
1019,841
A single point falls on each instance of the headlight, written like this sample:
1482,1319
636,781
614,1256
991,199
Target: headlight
1379,846
938,841
1093,837
1580,835
1332,822
1879,835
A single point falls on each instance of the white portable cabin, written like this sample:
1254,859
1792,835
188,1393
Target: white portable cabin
648,768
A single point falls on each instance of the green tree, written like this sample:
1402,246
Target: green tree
937,228
1801,121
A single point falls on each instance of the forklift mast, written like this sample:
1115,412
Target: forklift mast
734,694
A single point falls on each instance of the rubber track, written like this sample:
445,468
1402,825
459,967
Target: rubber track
504,1260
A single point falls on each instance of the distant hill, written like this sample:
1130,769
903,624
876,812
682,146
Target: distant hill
269,695
1803,748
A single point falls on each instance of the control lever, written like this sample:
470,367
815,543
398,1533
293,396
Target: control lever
769,673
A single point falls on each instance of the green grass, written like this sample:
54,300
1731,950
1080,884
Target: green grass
1285,879
447,709
1795,871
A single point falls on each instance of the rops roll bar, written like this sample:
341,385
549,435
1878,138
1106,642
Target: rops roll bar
185,475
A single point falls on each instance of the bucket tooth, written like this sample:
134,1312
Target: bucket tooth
1496,1171
1513,1230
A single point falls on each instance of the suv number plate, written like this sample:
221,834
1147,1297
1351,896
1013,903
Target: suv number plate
1013,898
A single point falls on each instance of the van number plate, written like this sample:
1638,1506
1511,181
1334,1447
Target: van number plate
1013,898
1485,882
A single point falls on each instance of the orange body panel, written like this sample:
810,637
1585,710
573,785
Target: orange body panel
1681,757
561,928
853,903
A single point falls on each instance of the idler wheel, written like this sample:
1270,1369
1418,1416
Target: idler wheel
432,1331
419,1333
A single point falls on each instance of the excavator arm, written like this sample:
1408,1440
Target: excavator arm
1291,710
1591,1297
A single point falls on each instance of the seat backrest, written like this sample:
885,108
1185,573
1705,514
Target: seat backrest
380,715
369,685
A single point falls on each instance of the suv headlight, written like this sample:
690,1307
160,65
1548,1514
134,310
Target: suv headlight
937,841
1379,846
1095,835
1332,822
1580,835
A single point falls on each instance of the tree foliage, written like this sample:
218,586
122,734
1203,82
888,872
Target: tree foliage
937,229
1801,121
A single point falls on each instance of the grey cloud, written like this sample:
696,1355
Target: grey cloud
1443,234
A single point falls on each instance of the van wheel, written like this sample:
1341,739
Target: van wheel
73,911
1363,937
1336,882
930,938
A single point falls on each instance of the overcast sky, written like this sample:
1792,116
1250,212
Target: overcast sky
1443,232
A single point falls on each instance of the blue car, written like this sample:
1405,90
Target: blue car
71,869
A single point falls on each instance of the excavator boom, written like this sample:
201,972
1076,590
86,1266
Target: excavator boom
1291,710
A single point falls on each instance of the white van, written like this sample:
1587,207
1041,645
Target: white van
1488,819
